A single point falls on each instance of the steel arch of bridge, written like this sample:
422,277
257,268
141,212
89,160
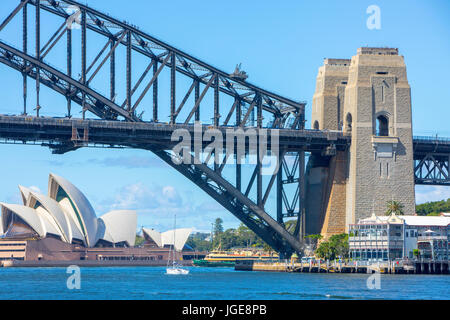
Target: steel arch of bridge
247,100
287,116
432,161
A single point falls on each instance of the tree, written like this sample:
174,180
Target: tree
336,246
324,251
394,207
198,242
314,240
218,227
433,208
339,245
139,240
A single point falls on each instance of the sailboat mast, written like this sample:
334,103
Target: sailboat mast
174,234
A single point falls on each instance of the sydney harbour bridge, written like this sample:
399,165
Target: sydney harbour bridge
123,88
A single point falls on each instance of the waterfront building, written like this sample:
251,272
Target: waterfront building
382,238
66,214
63,226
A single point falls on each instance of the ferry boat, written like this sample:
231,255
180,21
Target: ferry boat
219,258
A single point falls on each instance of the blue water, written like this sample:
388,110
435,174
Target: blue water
213,283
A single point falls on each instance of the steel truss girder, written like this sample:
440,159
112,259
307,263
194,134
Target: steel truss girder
432,169
60,82
292,172
255,217
134,40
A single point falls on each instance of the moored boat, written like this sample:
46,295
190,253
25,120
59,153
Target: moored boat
228,258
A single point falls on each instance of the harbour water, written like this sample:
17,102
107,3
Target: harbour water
213,283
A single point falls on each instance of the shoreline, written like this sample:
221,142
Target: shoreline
87,263
403,267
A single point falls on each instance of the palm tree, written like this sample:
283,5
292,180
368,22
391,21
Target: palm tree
394,207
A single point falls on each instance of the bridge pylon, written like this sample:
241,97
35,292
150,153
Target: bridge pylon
369,99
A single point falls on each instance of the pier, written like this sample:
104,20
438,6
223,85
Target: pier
385,267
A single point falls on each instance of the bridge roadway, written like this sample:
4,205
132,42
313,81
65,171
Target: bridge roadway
431,154
57,132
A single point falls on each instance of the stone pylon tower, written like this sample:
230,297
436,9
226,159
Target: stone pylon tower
377,114
329,98
367,97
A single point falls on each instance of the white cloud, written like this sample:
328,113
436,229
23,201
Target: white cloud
431,193
157,205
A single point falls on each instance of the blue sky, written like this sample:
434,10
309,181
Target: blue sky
281,44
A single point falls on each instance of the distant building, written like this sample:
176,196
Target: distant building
382,238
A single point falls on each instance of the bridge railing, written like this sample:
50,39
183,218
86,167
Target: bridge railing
436,139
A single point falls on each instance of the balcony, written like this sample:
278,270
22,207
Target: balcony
431,237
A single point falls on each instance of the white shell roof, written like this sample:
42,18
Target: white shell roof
121,226
180,235
25,193
48,222
167,238
102,233
53,208
84,208
68,217
154,235
27,214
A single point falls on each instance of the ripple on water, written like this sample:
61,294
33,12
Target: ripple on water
221,284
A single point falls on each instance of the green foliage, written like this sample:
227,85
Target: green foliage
218,226
336,246
433,208
240,237
324,251
198,242
290,225
314,240
139,240
314,236
230,238
416,253
394,207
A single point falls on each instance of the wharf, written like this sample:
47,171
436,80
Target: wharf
386,267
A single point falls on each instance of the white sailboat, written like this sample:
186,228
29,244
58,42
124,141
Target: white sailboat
172,266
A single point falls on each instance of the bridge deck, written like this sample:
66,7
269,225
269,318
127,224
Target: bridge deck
57,131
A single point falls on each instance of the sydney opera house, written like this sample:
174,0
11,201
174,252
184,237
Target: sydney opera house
63,226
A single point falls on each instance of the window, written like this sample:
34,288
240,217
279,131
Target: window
348,120
382,128
316,125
